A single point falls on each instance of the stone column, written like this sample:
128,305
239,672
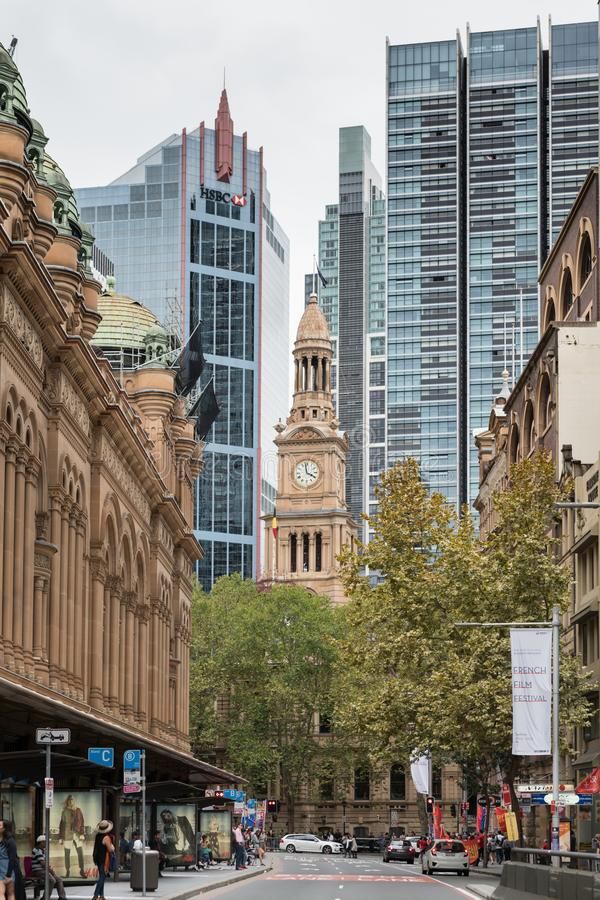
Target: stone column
17,561
80,593
130,654
28,564
72,600
54,618
2,595
64,586
154,663
9,552
105,637
38,617
96,641
122,648
115,623
143,672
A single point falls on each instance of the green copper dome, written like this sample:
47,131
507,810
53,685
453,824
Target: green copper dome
125,323
66,212
13,99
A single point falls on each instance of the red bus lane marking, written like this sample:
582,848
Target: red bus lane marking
365,879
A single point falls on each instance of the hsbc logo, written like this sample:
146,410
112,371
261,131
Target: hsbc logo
222,197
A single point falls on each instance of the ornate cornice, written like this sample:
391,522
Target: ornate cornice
19,324
60,391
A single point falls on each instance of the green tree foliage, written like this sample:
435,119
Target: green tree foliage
412,679
263,666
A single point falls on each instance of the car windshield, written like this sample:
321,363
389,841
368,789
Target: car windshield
398,844
450,847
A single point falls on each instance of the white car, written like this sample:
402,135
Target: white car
445,855
308,843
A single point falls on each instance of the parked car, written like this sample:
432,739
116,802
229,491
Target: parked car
369,844
308,843
445,856
399,850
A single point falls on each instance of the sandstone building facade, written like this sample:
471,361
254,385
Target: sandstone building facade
96,474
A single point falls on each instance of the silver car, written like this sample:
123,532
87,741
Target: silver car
445,855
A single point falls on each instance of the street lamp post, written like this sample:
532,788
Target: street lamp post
555,624
344,815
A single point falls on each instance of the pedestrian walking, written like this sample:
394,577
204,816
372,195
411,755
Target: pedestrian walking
354,848
38,867
262,846
239,847
102,854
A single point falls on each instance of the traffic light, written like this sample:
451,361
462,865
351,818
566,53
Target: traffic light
273,806
453,810
429,803
219,794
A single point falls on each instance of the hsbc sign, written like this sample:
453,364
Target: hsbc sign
222,197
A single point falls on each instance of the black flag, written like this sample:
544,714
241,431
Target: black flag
322,278
190,362
206,409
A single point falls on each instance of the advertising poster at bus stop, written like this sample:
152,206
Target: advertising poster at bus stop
216,825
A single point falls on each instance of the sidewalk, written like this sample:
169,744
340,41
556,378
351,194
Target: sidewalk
172,885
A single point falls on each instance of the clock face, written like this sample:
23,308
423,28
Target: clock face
306,472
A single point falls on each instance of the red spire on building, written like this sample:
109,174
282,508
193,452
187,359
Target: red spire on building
224,140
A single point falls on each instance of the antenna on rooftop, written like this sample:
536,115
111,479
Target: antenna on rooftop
13,46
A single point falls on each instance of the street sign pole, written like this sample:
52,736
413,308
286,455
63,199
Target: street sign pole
143,755
555,733
47,825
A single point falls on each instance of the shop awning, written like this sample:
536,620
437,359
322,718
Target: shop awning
25,709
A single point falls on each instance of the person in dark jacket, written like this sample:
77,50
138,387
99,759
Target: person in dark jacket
12,886
103,850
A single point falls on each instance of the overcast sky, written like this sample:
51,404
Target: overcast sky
110,79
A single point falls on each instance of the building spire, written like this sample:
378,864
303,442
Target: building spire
224,139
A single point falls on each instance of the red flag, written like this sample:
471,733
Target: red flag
590,784
437,821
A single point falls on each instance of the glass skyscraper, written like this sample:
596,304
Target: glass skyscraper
487,147
191,234
351,253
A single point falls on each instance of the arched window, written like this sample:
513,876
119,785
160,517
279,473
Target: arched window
304,373
585,259
293,553
567,294
544,400
514,445
314,368
3,97
549,313
59,213
528,429
324,373
397,782
436,782
362,784
305,549
318,553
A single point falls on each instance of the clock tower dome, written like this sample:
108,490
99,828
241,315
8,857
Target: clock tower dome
313,520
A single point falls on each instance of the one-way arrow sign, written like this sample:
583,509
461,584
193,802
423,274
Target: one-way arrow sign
53,735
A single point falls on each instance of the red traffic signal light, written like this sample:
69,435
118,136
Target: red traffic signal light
219,794
273,806
429,804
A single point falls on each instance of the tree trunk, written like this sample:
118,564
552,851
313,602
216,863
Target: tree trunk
291,811
486,831
422,813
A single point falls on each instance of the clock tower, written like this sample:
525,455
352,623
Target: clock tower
313,520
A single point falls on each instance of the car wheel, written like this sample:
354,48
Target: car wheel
326,849
290,848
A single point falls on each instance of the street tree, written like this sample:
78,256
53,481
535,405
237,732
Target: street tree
412,679
262,671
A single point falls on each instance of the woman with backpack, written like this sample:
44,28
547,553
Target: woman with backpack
103,855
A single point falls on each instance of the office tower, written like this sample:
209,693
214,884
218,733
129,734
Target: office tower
487,148
191,234
351,255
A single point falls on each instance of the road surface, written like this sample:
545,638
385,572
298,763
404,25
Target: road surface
311,876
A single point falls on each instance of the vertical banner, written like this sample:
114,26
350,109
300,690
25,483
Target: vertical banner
419,772
531,664
437,821
501,819
512,829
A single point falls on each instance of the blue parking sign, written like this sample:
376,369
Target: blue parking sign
132,759
102,756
